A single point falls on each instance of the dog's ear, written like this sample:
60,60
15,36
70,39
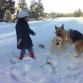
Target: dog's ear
55,27
62,27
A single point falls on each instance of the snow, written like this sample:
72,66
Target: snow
50,66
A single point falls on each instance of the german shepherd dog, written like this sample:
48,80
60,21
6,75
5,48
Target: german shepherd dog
70,37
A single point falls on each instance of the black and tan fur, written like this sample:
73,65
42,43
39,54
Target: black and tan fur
67,39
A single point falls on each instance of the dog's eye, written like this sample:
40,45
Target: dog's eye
59,40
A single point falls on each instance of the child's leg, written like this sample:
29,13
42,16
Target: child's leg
31,52
22,53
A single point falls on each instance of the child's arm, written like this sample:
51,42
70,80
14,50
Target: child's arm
31,31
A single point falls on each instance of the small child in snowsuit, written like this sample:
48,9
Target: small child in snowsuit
23,32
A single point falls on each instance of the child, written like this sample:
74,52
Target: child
23,35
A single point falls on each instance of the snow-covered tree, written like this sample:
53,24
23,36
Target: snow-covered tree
6,5
78,13
37,9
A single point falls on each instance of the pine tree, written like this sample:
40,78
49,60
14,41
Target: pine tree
6,5
78,13
37,9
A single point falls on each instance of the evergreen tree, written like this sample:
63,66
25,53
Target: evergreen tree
78,13
37,9
6,5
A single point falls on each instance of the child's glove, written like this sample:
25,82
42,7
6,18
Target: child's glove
34,34
19,41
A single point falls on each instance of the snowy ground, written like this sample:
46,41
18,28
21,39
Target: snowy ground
50,66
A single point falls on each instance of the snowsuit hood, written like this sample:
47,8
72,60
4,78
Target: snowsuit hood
22,14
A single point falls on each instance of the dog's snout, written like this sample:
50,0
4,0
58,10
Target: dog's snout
57,43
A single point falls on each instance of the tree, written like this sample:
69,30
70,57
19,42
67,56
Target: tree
6,5
77,13
37,9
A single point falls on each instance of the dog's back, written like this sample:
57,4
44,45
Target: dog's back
75,35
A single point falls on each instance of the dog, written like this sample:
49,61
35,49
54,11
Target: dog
70,37
61,32
57,42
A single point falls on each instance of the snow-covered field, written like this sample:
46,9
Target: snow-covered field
50,66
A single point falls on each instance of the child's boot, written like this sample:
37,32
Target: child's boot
21,56
32,54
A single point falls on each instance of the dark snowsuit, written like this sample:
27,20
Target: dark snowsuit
23,32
